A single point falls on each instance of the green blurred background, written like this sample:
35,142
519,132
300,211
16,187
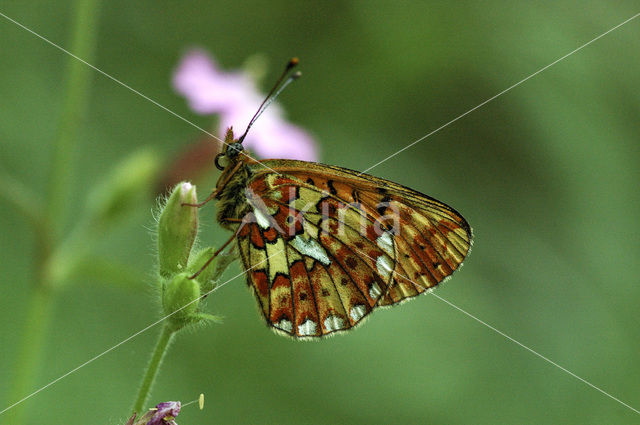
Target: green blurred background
547,174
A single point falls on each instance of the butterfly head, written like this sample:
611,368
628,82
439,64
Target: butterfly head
231,151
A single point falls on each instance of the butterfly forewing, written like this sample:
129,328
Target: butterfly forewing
327,245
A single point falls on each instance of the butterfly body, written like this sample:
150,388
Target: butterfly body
323,246
232,202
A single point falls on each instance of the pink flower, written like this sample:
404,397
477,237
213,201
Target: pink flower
234,97
165,414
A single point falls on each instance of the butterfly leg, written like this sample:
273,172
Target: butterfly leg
218,189
215,254
199,204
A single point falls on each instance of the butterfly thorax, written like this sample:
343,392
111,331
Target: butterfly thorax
232,200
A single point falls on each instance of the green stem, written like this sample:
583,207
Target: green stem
154,366
48,227
30,352
25,201
75,104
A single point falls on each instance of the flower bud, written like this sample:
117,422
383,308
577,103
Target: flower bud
122,189
180,299
177,229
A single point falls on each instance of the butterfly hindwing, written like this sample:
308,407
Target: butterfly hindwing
328,245
316,295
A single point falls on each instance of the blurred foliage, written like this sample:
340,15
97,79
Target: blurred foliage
547,174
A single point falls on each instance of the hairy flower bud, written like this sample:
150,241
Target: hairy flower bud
180,299
177,229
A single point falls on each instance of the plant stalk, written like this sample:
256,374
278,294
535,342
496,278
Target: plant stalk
30,352
74,106
49,227
154,367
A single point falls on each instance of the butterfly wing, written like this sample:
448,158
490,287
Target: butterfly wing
325,245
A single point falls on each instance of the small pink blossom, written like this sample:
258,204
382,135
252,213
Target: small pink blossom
165,414
235,98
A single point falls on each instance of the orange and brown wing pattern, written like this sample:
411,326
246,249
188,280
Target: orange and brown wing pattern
304,265
326,245
432,242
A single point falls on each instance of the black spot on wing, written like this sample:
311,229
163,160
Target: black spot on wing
332,189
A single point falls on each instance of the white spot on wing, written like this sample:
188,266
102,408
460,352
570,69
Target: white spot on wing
374,290
284,325
261,218
384,266
385,242
357,311
311,248
308,327
334,323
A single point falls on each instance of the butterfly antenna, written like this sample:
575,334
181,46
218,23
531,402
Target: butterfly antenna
289,80
274,92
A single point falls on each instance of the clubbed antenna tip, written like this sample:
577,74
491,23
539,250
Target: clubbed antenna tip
274,92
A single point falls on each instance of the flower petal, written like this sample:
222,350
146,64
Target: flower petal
207,89
234,97
165,414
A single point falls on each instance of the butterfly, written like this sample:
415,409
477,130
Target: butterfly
323,246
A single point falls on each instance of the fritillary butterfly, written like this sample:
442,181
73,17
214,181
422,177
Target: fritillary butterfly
324,246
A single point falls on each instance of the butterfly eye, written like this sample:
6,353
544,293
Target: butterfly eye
234,149
231,152
216,161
